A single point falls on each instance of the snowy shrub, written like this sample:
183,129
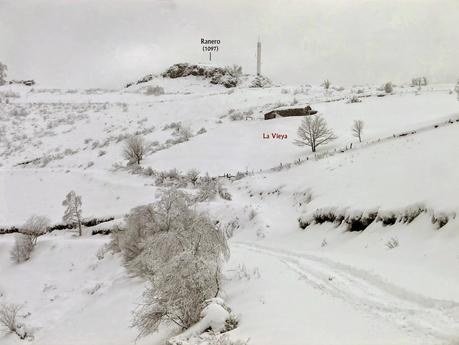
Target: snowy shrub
180,251
388,88
236,116
22,248
324,243
134,149
354,99
201,131
101,153
171,178
192,176
411,213
387,218
392,243
35,226
223,192
154,91
230,227
252,214
183,134
9,314
358,221
326,84
260,81
172,125
441,219
208,189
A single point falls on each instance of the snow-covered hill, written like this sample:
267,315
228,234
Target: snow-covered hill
392,281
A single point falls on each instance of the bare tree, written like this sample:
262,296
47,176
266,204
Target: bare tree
72,214
313,132
3,70
35,226
357,129
134,149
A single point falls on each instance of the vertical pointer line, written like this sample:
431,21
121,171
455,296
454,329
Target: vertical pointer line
210,56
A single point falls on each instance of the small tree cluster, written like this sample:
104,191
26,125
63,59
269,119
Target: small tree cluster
314,132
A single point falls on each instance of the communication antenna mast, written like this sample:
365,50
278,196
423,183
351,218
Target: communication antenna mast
259,56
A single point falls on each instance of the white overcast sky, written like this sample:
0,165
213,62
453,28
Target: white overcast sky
105,43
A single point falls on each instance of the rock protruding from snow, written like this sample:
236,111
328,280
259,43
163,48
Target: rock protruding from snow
213,317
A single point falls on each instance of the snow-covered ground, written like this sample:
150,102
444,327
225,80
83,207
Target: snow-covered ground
318,285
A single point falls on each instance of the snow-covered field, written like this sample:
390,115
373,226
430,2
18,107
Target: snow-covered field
394,283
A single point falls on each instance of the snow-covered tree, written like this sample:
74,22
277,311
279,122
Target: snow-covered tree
72,214
326,84
134,149
3,69
357,129
314,132
180,251
35,226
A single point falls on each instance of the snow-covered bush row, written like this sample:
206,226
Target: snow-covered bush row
355,220
180,252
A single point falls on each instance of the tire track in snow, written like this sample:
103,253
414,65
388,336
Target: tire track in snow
427,317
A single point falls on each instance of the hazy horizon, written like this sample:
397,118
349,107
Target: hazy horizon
106,43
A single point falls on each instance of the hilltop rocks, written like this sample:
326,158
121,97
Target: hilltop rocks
226,76
229,76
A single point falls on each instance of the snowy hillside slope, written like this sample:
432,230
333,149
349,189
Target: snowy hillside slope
393,283
69,295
